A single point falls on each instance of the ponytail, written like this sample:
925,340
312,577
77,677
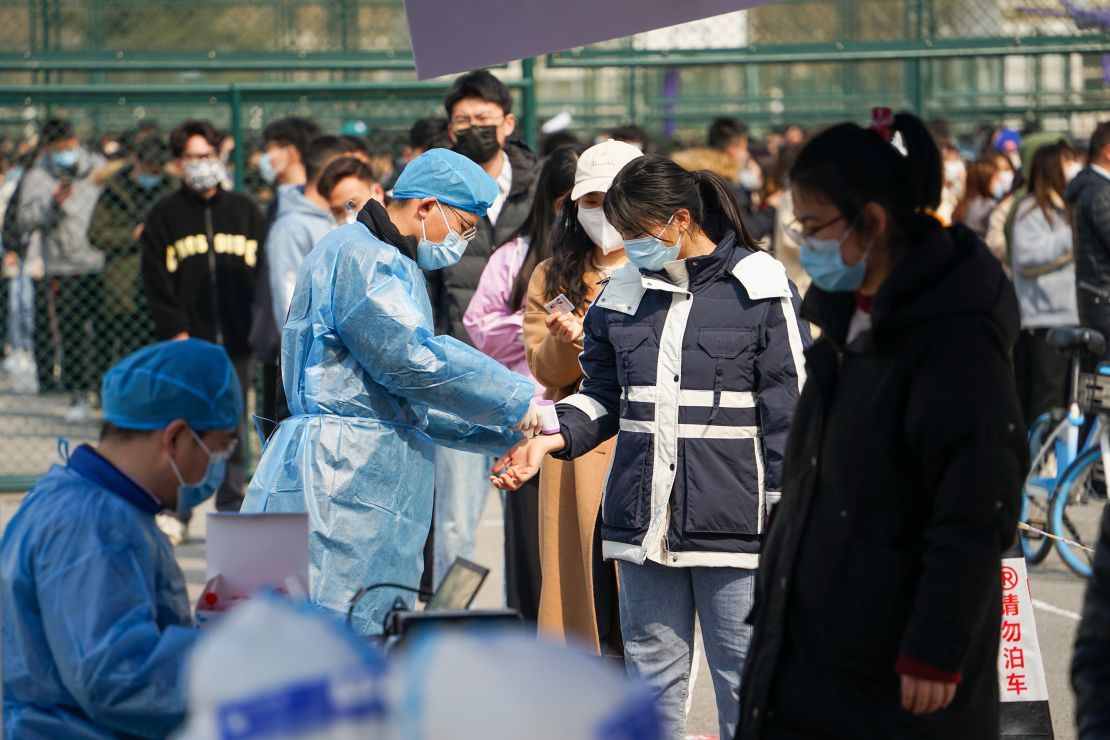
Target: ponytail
717,199
649,189
923,164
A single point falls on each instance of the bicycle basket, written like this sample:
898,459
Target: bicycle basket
1094,391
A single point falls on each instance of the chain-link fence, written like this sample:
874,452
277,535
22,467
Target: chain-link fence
815,61
107,65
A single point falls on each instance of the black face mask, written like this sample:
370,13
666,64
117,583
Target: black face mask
478,143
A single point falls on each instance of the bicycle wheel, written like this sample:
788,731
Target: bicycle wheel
1076,512
1038,488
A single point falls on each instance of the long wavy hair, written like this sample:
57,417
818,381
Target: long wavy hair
1046,177
555,180
571,251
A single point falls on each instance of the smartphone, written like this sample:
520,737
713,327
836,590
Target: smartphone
560,305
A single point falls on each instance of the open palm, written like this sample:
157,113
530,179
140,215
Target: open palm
520,464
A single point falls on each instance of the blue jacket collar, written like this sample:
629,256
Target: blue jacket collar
87,462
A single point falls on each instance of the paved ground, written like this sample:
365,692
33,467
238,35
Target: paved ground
31,425
1057,594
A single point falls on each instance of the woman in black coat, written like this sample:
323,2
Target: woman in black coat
878,600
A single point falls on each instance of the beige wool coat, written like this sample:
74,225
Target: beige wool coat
570,492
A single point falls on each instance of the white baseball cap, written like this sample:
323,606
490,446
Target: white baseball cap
599,164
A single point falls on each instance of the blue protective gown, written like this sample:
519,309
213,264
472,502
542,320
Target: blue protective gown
371,391
96,620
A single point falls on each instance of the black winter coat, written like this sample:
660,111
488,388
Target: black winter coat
1089,197
901,488
1090,666
452,287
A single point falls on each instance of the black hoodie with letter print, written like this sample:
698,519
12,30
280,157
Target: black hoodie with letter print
200,266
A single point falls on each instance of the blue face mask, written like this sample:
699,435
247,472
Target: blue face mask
266,169
66,159
147,181
191,495
649,253
435,256
822,261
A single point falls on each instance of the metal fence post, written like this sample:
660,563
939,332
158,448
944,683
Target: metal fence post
633,92
915,91
528,109
235,100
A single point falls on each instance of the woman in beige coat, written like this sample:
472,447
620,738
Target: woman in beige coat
578,598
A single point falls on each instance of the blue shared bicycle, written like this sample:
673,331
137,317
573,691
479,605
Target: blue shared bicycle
1065,491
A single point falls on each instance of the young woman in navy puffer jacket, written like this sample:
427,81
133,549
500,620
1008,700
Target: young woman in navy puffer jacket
693,357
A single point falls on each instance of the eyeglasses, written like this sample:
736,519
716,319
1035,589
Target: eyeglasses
482,119
218,456
799,234
470,229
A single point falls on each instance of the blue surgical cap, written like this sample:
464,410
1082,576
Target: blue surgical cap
185,379
450,178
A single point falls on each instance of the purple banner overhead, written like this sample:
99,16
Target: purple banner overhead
450,36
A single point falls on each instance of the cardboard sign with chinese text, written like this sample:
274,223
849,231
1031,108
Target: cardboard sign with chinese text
1020,669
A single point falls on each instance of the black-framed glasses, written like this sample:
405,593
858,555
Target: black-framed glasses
797,232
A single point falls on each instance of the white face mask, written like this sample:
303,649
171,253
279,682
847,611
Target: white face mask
1003,184
204,174
751,180
1071,169
955,178
600,231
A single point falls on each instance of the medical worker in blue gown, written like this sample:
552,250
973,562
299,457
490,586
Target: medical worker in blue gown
372,390
96,620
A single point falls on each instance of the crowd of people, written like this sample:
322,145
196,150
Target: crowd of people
734,334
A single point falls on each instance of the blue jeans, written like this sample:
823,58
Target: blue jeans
462,486
658,605
21,312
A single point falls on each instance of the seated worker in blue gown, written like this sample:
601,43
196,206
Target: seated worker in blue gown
96,619
372,389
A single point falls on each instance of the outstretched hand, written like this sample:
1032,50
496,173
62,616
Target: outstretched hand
520,464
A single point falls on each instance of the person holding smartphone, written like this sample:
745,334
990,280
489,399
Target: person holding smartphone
693,358
578,600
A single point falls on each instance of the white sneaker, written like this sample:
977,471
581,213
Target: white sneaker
78,412
23,374
175,530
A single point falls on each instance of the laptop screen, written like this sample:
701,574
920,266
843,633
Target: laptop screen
459,587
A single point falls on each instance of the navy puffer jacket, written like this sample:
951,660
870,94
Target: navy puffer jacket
697,369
